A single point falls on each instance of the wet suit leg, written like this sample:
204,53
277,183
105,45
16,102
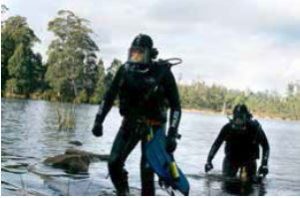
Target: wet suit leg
124,143
251,170
230,168
147,174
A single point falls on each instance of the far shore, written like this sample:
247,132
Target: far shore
256,115
190,110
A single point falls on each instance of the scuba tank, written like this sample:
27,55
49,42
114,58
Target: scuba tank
168,63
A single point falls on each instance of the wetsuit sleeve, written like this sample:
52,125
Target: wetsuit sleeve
263,141
172,95
217,143
110,95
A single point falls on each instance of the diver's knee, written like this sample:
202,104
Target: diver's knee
114,163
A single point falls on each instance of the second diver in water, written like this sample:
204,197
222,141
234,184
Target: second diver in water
243,136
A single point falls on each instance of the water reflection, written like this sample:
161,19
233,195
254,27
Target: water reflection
243,188
29,134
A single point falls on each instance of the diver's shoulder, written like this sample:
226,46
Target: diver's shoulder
254,123
161,65
124,66
227,126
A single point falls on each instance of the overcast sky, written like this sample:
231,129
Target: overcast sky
240,44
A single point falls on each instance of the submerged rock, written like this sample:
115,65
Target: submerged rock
74,161
71,163
75,142
92,156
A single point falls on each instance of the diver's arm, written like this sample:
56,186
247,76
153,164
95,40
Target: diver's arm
110,96
265,146
216,145
214,149
172,95
173,99
263,141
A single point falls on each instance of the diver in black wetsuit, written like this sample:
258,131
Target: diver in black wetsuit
146,88
243,136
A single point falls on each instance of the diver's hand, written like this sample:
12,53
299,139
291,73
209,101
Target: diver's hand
171,142
263,170
97,128
208,167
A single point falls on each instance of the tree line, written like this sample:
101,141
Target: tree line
220,99
73,71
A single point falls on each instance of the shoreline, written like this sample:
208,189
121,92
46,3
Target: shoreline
255,115
189,110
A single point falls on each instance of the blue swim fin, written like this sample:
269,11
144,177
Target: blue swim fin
163,164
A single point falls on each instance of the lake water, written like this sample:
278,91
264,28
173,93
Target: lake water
29,134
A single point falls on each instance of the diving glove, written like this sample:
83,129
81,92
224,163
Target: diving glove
208,166
171,142
263,170
97,128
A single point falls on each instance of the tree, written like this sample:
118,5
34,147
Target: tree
100,85
290,89
20,69
111,71
71,67
4,9
18,61
39,72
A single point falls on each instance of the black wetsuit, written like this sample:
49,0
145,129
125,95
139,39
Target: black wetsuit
242,147
145,93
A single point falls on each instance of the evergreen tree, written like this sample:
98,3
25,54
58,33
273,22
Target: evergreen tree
71,67
111,71
19,64
100,86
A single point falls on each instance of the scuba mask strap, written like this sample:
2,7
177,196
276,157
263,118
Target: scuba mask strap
147,56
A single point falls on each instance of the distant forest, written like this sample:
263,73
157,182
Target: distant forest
73,72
